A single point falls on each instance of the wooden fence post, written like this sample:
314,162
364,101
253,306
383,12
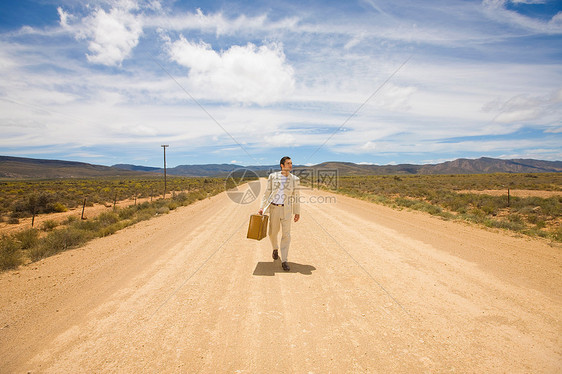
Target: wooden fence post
83,207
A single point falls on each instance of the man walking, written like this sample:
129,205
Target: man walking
282,198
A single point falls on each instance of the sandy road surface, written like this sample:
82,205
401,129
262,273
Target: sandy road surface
371,290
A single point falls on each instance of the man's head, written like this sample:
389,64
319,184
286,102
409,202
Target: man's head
286,164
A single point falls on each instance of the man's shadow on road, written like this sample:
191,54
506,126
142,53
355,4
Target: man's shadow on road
270,268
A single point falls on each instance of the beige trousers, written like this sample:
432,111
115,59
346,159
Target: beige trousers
277,220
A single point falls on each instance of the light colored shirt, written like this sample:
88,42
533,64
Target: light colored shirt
279,198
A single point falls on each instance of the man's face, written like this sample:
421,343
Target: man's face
287,166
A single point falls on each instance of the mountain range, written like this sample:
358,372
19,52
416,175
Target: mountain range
24,168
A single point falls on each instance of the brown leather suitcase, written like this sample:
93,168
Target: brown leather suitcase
258,227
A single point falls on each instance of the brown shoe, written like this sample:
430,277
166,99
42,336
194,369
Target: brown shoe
275,255
285,266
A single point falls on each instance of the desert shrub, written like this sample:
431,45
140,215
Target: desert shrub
173,205
10,253
145,215
536,220
70,220
107,219
509,225
557,234
527,210
111,229
181,197
432,209
28,238
58,241
163,210
127,213
57,207
13,220
515,218
88,225
400,201
49,225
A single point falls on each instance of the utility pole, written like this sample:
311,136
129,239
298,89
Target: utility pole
164,146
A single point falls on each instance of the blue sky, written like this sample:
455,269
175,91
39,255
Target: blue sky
247,82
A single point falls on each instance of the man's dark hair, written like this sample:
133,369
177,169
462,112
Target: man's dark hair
282,162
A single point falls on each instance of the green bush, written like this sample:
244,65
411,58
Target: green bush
49,225
163,210
10,253
70,220
28,238
127,213
58,241
557,234
111,229
107,218
58,208
145,215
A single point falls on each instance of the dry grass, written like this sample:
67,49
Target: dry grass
535,207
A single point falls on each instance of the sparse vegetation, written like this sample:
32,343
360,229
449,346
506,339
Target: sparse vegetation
32,245
20,199
10,253
456,197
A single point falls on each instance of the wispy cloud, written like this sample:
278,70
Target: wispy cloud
218,23
497,10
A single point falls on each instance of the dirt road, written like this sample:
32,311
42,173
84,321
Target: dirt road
371,290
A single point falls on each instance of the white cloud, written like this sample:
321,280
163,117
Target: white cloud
522,108
112,35
496,9
64,16
354,41
528,1
280,140
396,97
245,74
368,146
218,24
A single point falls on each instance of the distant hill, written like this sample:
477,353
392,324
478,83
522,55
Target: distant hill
135,168
484,165
204,170
18,167
349,168
23,168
